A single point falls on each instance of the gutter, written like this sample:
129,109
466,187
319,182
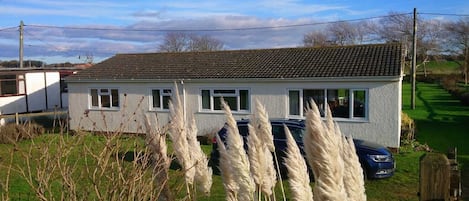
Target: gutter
262,80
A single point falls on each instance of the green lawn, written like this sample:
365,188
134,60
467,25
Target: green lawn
441,67
441,122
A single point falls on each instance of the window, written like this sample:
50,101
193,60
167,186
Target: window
294,97
359,103
339,101
12,84
160,98
237,99
104,98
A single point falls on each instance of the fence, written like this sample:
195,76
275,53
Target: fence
440,177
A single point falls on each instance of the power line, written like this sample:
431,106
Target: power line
446,14
8,28
53,46
215,30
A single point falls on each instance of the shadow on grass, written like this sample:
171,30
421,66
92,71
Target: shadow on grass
131,156
464,164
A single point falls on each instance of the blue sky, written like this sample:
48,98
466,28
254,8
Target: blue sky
47,40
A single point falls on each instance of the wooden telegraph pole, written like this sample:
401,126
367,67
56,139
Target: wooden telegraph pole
21,43
414,60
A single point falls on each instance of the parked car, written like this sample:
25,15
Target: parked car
376,160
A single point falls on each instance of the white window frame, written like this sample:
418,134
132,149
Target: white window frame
351,92
214,95
161,98
100,94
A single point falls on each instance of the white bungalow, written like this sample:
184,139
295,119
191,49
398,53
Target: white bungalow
362,84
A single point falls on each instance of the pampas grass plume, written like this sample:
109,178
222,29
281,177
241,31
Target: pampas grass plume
179,136
156,142
238,158
354,181
203,173
297,170
256,155
323,155
263,126
230,185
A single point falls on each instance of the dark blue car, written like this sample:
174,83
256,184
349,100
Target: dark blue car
376,160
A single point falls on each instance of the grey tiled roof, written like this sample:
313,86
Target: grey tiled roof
345,61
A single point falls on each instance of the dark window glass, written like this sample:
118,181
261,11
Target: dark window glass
224,91
105,101
166,102
359,102
156,98
94,98
314,94
115,97
338,100
294,99
205,99
244,99
231,101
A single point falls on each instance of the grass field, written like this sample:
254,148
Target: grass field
441,122
441,67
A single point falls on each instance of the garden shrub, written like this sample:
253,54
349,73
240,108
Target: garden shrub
465,98
12,133
407,128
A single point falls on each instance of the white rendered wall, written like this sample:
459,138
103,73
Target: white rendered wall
13,104
35,91
382,124
53,89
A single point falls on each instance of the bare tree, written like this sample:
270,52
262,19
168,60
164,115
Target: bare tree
174,42
343,33
316,39
458,37
339,33
204,43
183,42
398,27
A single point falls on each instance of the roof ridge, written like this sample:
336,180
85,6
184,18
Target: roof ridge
267,49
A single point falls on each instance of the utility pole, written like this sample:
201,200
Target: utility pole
414,60
21,43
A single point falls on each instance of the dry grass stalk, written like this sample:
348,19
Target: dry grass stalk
323,156
39,178
298,176
178,134
203,173
5,185
238,158
354,181
156,142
